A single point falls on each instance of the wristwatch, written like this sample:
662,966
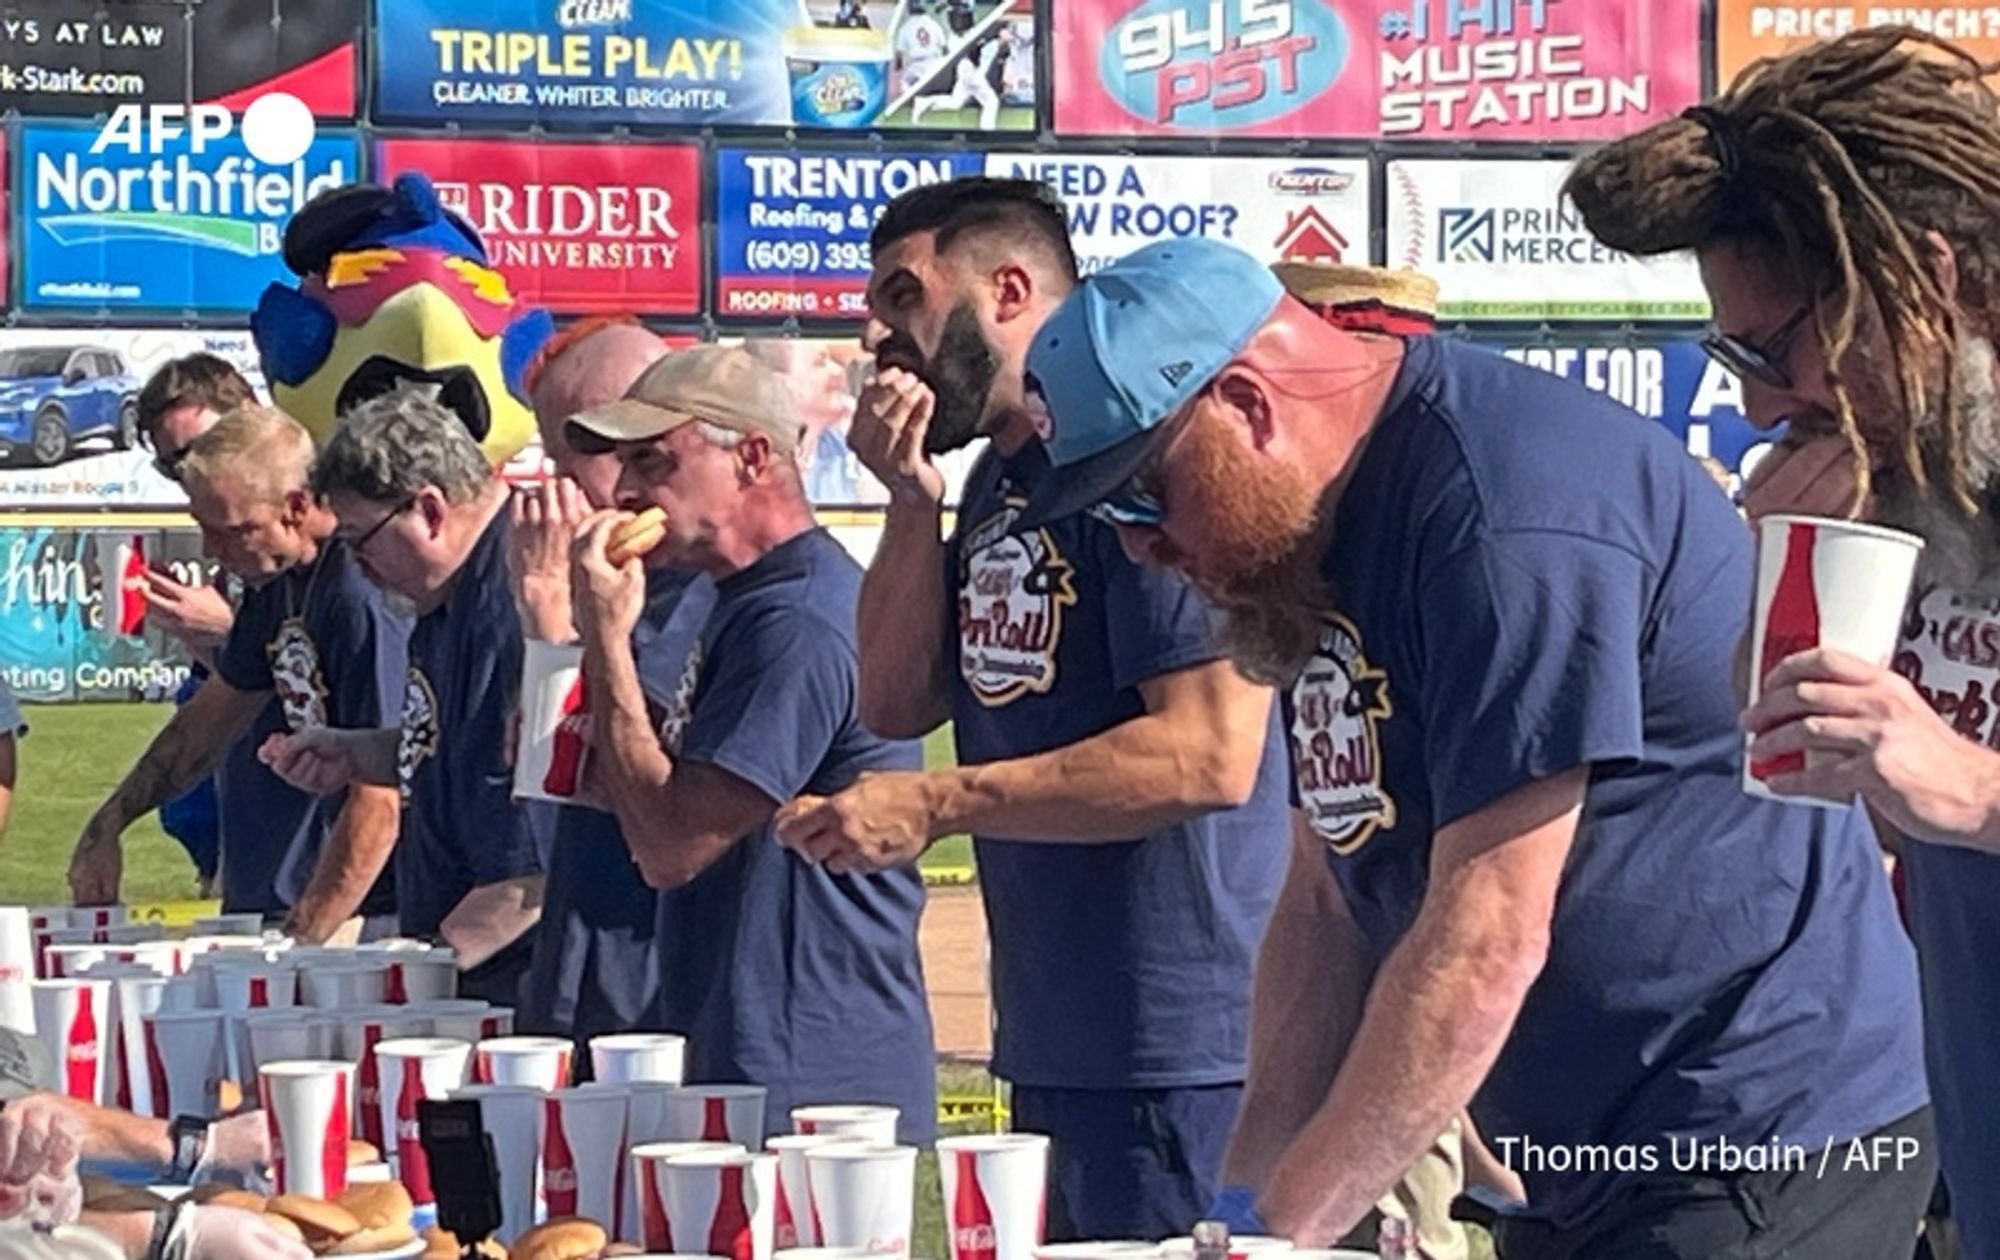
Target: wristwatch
189,1136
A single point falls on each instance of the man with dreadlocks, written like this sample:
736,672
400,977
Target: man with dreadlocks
1844,203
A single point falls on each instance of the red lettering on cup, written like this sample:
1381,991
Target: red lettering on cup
80,1052
1791,627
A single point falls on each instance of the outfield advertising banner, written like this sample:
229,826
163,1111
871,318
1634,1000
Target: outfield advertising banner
791,228
953,65
577,228
1535,70
87,57
1745,32
1305,210
1504,244
169,212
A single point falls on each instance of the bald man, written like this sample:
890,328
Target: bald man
597,961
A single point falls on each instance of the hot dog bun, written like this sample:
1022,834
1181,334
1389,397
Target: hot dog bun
634,538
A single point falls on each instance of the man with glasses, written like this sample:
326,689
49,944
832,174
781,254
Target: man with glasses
426,519
1505,611
311,645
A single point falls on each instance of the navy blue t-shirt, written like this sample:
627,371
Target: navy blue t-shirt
320,639
779,973
462,828
597,952
1527,578
1115,966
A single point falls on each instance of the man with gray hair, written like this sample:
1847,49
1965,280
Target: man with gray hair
311,646
426,518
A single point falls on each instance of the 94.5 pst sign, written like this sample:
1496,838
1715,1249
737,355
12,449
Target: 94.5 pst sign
169,207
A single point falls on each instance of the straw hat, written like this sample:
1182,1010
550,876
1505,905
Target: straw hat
1364,299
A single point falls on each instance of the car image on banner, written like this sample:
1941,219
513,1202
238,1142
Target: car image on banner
53,398
1545,70
809,64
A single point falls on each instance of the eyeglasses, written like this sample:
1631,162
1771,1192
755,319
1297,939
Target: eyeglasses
169,465
359,543
1763,363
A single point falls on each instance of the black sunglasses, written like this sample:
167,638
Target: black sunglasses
359,542
169,466
1764,363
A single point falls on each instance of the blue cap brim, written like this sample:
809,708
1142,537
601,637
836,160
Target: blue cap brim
1071,488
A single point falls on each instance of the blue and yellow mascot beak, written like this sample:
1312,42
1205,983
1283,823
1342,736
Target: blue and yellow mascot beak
394,289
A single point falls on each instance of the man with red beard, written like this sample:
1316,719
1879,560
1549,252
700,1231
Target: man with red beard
1844,203
1504,609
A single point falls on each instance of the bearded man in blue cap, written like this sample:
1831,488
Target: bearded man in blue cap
1504,611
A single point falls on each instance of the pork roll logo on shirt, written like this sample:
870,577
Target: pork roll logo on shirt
1012,591
1336,706
419,740
296,677
680,711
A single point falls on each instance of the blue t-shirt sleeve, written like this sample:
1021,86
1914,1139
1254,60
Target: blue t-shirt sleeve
364,653
1155,621
1529,651
775,695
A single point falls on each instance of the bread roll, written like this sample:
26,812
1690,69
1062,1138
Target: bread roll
566,1238
381,1205
634,538
321,1222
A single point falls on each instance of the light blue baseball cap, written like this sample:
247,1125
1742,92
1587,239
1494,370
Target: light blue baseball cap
1127,349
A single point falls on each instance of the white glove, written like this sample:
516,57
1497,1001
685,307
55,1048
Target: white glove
212,1232
40,1141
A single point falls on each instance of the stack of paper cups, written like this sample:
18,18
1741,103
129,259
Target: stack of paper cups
43,924
276,1036
877,1124
797,1225
656,1057
135,992
716,1113
583,1146
359,1034
413,1070
652,1229
73,1019
17,970
995,1194
98,919
187,1059
513,1118
541,1062
306,1105
721,1204
417,976
466,1019
645,1124
336,986
864,1195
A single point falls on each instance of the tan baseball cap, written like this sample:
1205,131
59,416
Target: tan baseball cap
724,385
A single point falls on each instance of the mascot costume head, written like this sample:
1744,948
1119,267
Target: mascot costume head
395,289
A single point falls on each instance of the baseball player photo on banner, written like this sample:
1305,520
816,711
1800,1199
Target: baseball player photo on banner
1745,31
1503,244
791,227
958,65
1305,210
1537,70
578,228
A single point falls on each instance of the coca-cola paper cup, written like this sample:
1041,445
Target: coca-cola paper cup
542,1062
187,1059
877,1124
275,1036
17,970
413,1070
716,1113
650,1226
358,1036
121,559
135,993
513,1118
98,920
720,1203
555,722
995,1194
657,1057
583,1149
73,1019
1823,583
864,1195
335,986
478,1023
417,977
307,1105
254,984
797,1224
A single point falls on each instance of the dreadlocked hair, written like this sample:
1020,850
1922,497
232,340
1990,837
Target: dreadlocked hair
1840,158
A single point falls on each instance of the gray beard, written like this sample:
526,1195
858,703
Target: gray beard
1960,555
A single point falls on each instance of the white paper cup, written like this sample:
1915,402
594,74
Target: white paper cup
994,1187
306,1105
73,1019
69,961
17,969
133,997
877,1124
245,924
716,1113
657,1057
542,1062
512,1116
797,1225
356,1039
344,985
418,977
255,984
864,1195
413,1070
555,721
187,1059
721,1203
650,1227
490,1024
98,919
182,993
164,958
1823,583
276,1036
583,1148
